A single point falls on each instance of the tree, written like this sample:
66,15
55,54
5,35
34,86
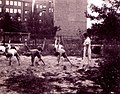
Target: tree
11,25
109,30
41,26
110,26
7,23
17,23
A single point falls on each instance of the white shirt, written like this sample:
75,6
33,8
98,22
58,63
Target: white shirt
60,48
2,48
87,42
12,51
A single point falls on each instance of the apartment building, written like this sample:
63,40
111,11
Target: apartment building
70,16
23,7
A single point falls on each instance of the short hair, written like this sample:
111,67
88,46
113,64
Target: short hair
85,35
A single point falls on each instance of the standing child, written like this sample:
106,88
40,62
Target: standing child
87,50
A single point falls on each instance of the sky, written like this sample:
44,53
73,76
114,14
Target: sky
97,3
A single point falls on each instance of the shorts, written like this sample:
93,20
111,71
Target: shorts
63,54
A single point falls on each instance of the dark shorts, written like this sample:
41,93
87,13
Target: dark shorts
63,54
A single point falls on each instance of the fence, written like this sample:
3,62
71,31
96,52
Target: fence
72,45
15,37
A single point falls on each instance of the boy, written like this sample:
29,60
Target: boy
60,51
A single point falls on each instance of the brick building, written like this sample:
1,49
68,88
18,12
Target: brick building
68,14
25,6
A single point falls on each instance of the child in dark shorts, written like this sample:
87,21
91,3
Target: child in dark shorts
60,51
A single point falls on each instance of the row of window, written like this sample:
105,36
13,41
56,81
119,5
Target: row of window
15,3
40,6
18,3
25,19
11,10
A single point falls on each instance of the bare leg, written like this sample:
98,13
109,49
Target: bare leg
18,58
65,56
59,59
69,61
84,52
32,60
9,61
42,61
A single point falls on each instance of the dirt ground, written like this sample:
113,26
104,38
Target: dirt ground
48,79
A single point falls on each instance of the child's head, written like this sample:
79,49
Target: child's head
85,35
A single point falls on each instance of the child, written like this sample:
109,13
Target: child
60,51
87,49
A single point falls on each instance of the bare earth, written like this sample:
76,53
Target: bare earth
40,79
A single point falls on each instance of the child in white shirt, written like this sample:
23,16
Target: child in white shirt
87,49
60,51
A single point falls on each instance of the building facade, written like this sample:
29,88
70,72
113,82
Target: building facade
70,16
23,7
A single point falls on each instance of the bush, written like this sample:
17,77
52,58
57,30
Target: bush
109,77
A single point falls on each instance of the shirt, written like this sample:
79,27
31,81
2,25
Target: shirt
87,42
60,48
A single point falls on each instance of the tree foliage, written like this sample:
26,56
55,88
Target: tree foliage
109,30
11,25
41,26
110,22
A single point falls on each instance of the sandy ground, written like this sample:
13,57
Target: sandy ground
40,79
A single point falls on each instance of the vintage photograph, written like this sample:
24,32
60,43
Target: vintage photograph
59,47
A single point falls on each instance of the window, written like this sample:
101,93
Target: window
19,10
0,1
15,3
44,6
26,12
26,4
11,17
19,19
25,19
15,10
7,9
40,21
40,6
40,14
36,6
50,9
11,10
19,4
0,9
11,2
7,2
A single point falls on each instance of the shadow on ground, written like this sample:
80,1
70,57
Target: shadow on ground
28,84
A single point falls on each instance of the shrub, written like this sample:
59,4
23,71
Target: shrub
110,69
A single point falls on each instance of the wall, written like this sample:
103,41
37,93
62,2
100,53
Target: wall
69,14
